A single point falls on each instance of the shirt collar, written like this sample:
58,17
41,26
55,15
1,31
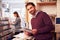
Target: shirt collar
34,16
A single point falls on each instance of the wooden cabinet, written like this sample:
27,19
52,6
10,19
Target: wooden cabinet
46,3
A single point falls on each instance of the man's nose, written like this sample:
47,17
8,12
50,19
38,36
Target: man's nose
30,10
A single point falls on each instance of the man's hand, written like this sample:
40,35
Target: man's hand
26,33
34,31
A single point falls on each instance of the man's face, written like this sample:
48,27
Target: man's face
31,9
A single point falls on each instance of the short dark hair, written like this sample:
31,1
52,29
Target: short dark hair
29,3
16,13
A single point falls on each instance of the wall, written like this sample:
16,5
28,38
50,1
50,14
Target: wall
58,8
49,9
0,8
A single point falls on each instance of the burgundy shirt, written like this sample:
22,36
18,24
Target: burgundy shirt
43,24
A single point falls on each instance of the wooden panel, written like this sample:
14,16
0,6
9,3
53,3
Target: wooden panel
47,3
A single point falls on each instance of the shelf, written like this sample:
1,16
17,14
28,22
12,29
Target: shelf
47,3
5,35
4,30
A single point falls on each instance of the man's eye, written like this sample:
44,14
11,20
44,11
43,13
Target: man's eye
28,9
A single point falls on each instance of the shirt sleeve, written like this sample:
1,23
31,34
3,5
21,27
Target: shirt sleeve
17,21
48,24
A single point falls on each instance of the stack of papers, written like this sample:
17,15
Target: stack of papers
22,36
26,29
17,39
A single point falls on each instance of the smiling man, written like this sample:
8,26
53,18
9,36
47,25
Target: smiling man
41,23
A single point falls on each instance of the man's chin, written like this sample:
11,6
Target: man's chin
31,12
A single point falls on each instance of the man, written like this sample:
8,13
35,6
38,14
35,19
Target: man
41,23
